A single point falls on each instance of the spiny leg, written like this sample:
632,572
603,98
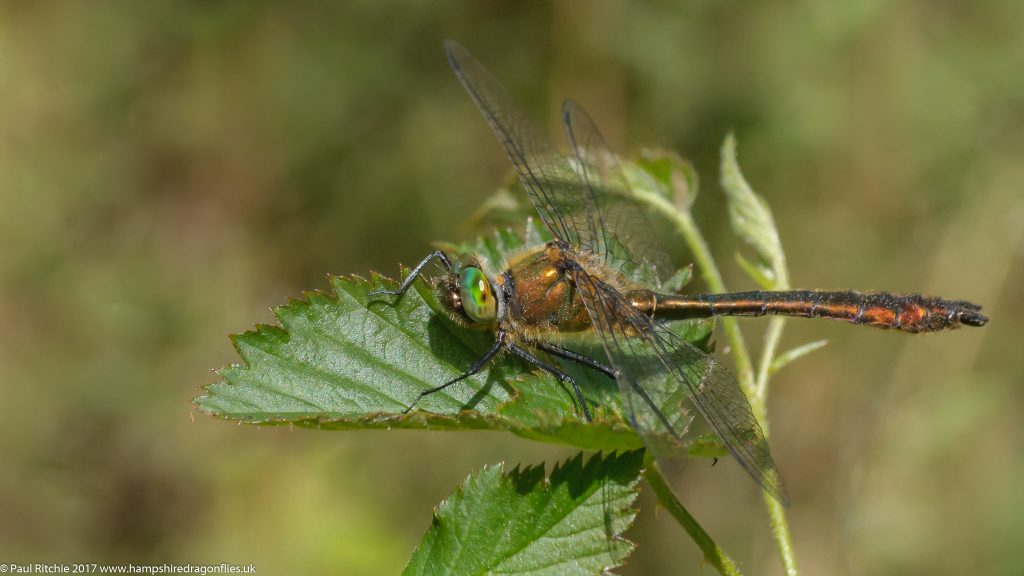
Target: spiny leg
525,355
415,272
499,343
608,371
575,357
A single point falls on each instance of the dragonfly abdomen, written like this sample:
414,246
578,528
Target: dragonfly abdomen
906,312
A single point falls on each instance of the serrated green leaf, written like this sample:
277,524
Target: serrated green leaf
751,218
339,362
522,523
785,358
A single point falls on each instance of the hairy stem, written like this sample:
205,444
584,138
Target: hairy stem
780,532
759,399
756,388
687,228
713,554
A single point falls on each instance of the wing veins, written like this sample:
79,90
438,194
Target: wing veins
712,390
490,98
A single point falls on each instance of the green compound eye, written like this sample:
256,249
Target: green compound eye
477,298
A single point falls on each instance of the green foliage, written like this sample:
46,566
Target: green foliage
752,220
784,359
338,361
341,361
522,523
170,168
667,172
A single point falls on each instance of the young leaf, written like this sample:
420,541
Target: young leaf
760,273
677,281
522,523
751,218
673,176
800,351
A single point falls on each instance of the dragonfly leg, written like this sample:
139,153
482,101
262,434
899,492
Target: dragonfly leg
611,373
499,343
525,355
575,357
415,272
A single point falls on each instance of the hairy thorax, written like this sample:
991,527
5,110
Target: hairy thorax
540,294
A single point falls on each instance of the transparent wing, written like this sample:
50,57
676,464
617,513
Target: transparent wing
624,236
562,198
658,371
583,203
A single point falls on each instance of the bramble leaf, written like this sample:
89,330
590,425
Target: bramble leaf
339,361
523,523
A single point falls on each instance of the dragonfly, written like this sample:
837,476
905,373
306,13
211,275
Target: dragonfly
588,280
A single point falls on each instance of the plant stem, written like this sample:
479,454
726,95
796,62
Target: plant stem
713,554
759,399
759,405
755,389
687,228
780,531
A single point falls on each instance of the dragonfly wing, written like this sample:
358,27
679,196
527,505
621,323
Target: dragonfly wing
657,371
584,199
624,234
556,189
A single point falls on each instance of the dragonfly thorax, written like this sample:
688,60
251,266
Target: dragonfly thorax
540,293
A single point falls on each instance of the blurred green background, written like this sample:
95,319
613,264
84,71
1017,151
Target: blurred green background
170,170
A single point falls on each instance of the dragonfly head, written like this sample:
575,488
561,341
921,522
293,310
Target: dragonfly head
468,295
